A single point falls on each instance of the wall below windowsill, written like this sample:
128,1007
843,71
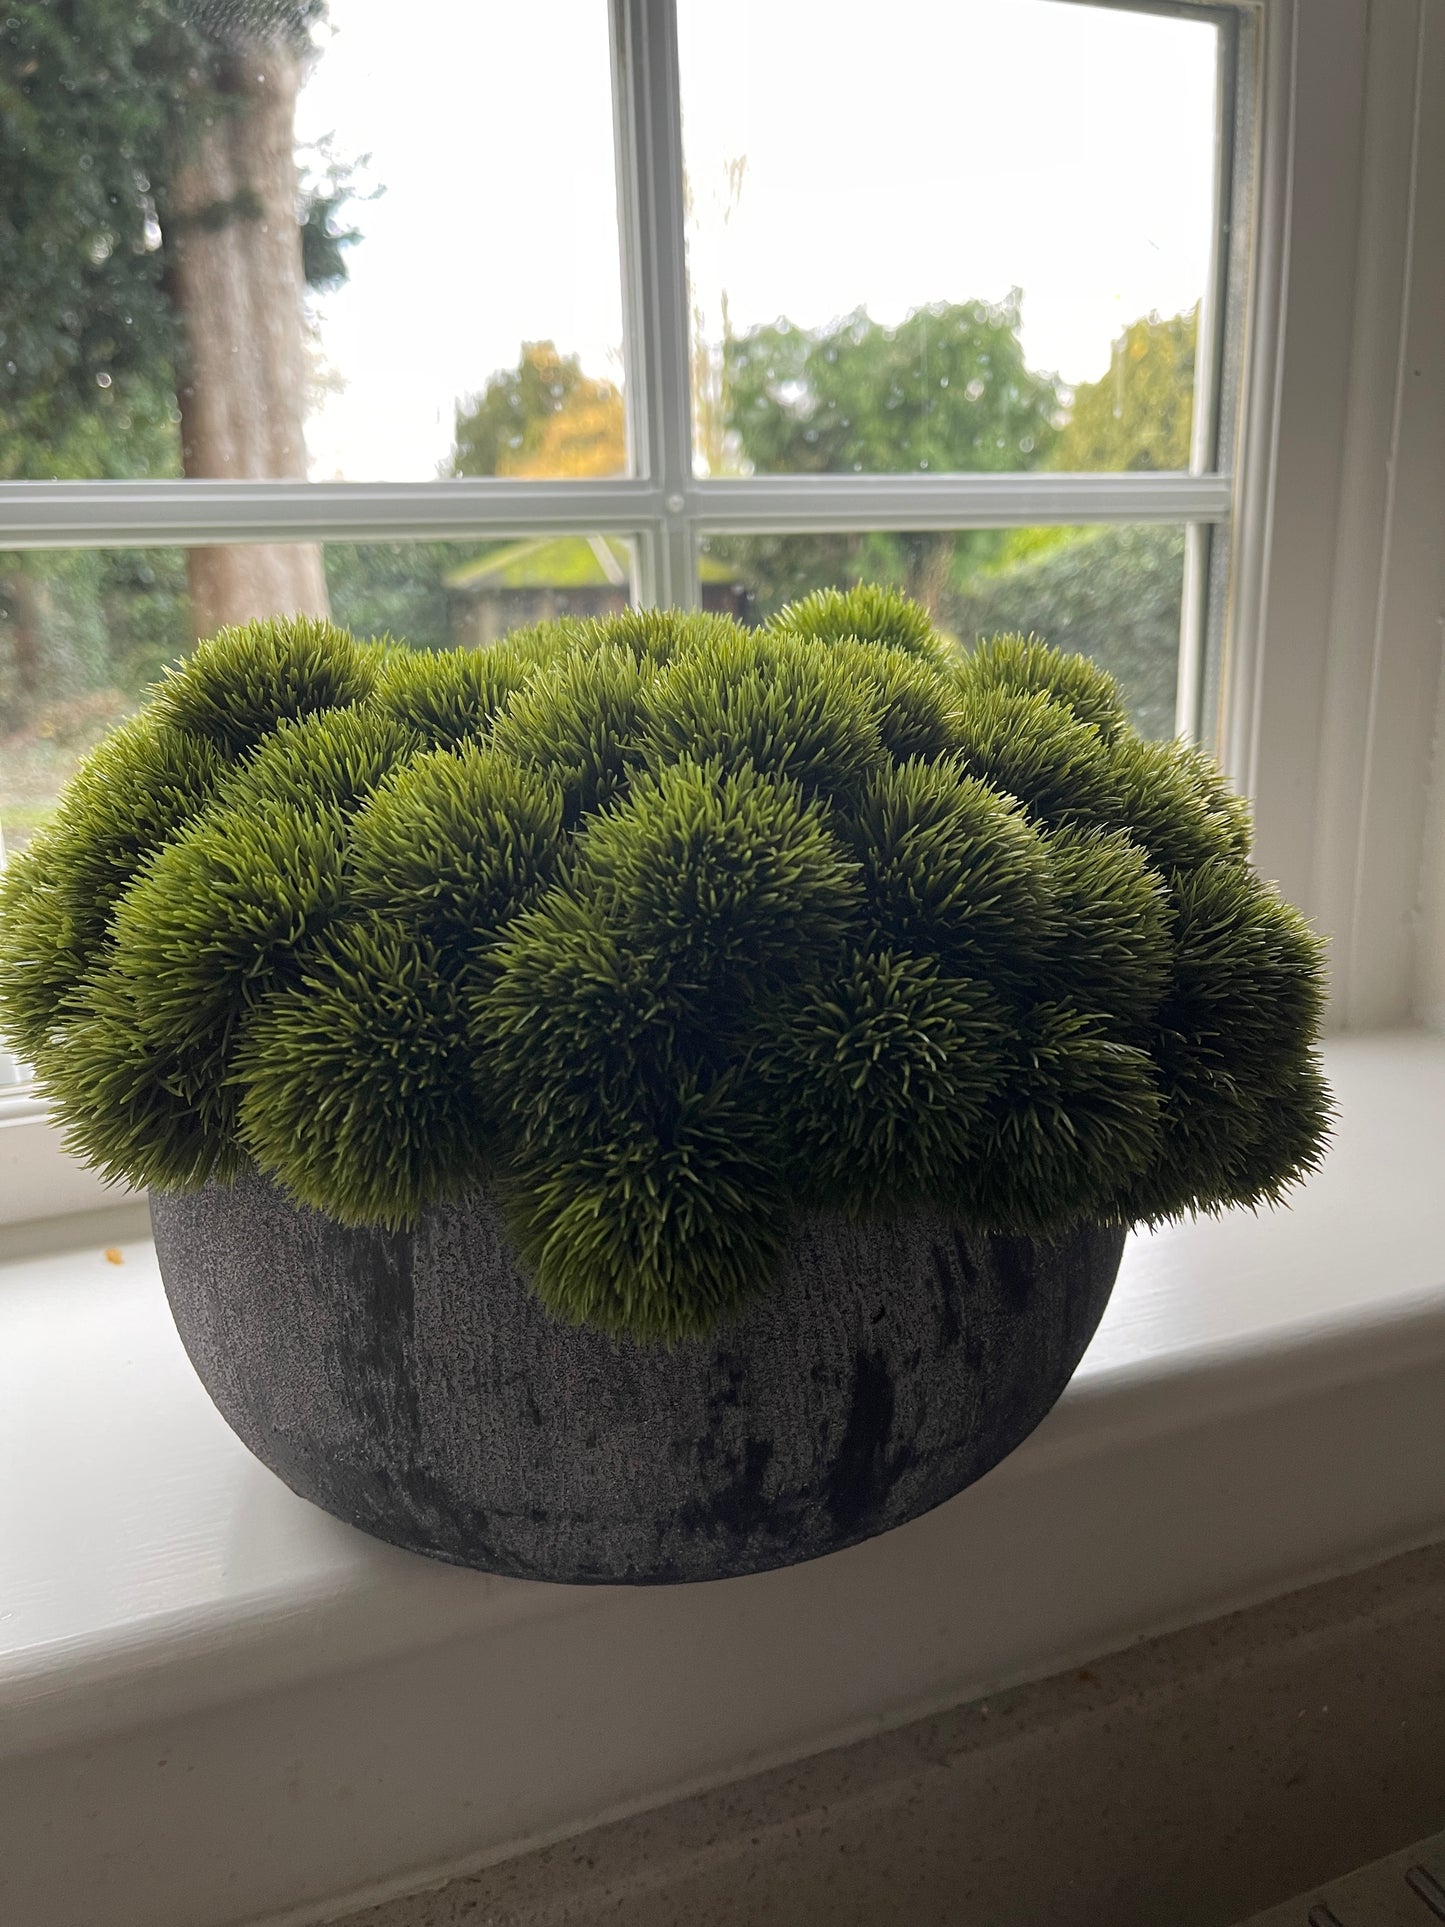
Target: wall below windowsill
218,1704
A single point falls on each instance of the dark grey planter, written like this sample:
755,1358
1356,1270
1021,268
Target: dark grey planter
409,1383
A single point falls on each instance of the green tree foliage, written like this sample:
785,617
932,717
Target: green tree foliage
946,389
103,105
1139,415
1112,594
660,931
97,102
543,417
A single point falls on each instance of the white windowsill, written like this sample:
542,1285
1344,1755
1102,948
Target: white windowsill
192,1660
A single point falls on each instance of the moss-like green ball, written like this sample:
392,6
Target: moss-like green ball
665,928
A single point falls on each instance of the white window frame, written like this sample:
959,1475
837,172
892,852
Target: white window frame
1327,699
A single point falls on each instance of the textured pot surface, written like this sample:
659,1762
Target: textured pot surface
410,1383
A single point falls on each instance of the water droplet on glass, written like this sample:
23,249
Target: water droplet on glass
102,380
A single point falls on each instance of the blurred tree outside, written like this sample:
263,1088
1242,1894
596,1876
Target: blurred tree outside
1115,594
157,232
155,242
1140,414
947,389
396,589
542,418
156,239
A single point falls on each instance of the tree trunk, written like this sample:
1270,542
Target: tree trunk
929,574
236,280
26,641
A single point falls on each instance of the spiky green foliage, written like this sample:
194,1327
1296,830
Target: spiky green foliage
664,928
234,689
865,613
210,924
457,842
660,1229
1229,811
1107,948
450,696
917,709
725,882
1076,1117
219,912
1031,747
139,788
330,761
565,972
1027,666
350,1092
578,721
1235,1042
879,1076
1174,802
655,636
128,1108
951,869
786,708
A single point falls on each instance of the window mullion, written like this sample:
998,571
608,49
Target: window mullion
1212,425
141,514
755,504
654,280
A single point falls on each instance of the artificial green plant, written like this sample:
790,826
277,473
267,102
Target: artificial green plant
665,930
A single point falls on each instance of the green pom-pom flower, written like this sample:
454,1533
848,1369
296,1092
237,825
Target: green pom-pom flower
330,761
879,1077
456,843
351,1097
951,869
654,636
139,1114
915,701
1108,949
579,722
866,613
1024,666
664,929
234,689
1235,1044
786,708
564,973
726,882
658,1230
1031,747
450,696
133,793
214,920
1173,801
1076,1118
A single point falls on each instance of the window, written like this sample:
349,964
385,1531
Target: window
1042,308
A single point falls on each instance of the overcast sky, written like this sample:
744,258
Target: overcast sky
918,151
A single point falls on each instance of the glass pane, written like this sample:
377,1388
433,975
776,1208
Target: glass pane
84,633
306,238
971,237
1113,593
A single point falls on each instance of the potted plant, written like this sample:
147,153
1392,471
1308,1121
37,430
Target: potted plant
652,1100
